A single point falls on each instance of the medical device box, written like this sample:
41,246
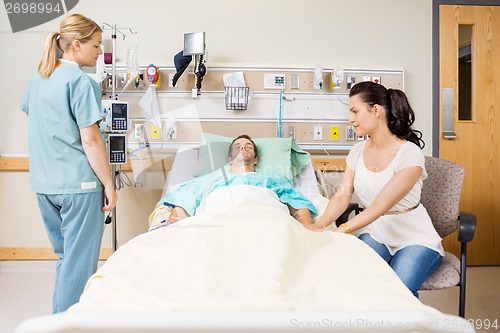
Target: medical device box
117,145
115,116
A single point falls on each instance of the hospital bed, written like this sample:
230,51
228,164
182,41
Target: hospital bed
243,264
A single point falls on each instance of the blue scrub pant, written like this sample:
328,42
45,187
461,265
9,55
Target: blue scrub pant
75,225
413,264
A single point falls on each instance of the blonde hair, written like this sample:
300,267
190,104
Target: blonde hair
73,27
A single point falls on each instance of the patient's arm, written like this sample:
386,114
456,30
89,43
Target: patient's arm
302,215
177,213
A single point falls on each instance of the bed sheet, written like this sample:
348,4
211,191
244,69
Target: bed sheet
244,255
245,265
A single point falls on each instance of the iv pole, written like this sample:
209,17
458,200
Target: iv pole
113,167
114,96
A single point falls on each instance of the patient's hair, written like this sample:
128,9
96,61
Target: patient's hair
400,115
244,136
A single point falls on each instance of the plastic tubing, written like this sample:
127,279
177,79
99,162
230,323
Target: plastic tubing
280,117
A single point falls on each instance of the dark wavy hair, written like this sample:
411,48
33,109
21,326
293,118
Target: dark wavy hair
256,151
400,115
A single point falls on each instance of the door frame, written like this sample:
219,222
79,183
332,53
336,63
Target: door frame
436,130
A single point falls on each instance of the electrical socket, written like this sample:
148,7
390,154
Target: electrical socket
139,132
171,131
318,133
350,133
122,79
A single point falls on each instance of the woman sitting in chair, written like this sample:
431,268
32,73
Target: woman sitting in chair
387,171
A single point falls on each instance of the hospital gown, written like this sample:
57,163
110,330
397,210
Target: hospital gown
190,195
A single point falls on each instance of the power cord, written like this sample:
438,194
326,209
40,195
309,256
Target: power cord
321,173
121,181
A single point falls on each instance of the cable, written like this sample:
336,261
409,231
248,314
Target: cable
323,186
124,88
340,100
121,181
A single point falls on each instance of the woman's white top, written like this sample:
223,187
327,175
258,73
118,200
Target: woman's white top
398,230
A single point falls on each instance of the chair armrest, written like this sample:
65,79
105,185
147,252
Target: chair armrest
467,227
353,207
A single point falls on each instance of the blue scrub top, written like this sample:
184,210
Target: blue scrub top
190,195
58,107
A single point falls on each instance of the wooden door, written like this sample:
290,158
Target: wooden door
477,142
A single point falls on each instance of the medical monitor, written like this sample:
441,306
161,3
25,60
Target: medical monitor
115,114
117,149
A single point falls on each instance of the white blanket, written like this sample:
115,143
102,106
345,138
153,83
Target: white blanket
245,255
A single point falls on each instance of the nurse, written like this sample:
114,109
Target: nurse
67,157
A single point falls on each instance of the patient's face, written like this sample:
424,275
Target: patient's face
243,152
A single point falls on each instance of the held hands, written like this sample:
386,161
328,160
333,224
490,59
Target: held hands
317,227
314,227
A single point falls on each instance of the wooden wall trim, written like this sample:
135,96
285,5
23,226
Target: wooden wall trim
14,164
328,164
39,253
22,164
320,163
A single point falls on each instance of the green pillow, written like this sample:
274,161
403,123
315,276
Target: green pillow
282,156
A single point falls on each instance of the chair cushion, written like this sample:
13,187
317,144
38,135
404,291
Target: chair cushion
447,275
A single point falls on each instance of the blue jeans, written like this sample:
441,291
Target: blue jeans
75,225
413,264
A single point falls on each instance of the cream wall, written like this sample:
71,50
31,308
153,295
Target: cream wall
370,34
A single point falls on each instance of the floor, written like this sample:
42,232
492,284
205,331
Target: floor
26,292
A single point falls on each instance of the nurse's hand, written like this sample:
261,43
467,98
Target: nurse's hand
111,198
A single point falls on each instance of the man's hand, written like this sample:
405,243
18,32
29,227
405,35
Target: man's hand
302,215
177,214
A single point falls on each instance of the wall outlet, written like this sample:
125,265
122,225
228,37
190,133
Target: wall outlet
334,133
318,133
350,133
122,79
274,81
170,130
155,132
350,81
139,131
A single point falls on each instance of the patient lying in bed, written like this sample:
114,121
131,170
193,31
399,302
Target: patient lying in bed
243,251
242,158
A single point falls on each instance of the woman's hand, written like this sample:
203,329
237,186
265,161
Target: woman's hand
313,227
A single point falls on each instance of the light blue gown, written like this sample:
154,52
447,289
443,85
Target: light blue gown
190,195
